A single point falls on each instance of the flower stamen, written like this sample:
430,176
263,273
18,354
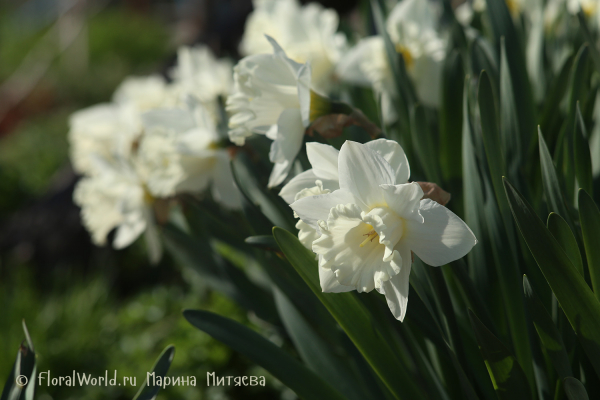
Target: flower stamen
370,236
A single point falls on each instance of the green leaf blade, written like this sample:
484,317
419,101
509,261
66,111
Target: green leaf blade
160,369
284,367
547,332
589,217
582,155
565,237
575,297
507,376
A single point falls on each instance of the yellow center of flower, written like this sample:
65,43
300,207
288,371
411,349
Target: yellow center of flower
370,236
513,6
406,55
589,9
148,198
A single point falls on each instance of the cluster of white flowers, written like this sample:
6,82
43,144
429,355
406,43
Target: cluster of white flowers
357,209
156,139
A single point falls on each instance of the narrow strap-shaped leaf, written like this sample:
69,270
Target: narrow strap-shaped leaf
512,144
424,144
554,195
451,116
198,255
159,371
265,242
483,59
588,36
21,382
283,366
575,389
581,154
506,374
580,88
317,354
565,237
354,318
589,217
503,243
503,27
547,331
550,120
574,295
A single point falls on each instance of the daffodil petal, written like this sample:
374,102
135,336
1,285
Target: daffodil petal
315,208
301,181
442,237
396,289
361,171
330,284
290,134
394,154
324,160
404,199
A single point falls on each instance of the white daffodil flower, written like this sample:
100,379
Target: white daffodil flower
307,33
271,97
370,226
412,26
110,130
200,75
323,178
116,198
179,152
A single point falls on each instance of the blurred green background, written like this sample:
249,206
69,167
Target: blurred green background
93,309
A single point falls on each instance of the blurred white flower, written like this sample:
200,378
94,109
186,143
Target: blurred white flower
143,93
116,198
369,227
200,75
589,7
412,26
101,130
179,152
366,64
271,97
307,33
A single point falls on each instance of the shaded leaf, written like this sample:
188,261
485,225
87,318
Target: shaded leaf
451,116
506,374
575,297
265,242
565,237
589,217
160,369
259,350
197,254
317,354
21,382
547,332
575,389
552,190
581,154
